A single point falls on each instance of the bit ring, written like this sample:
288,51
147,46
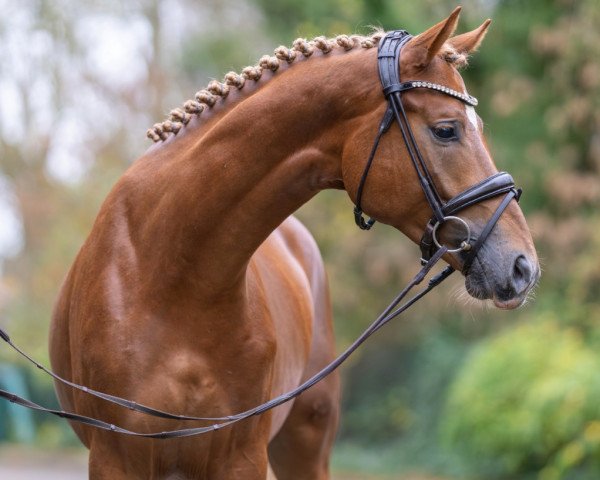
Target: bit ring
465,245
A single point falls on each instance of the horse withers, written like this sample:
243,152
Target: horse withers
196,292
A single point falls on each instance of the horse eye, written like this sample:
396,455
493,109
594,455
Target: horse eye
446,132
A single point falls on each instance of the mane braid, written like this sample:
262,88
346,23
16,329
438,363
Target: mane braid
216,91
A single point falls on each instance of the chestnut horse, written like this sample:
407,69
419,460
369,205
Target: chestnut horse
197,293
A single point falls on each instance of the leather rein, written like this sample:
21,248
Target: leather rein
432,251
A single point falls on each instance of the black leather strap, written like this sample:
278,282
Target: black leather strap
102,425
388,57
493,186
384,125
485,233
397,87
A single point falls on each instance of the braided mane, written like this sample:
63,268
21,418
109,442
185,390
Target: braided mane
208,97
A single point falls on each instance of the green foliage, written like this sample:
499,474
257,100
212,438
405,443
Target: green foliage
527,401
395,391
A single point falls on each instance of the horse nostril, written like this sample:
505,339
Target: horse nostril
522,273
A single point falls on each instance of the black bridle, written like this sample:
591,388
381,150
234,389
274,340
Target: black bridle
501,183
432,251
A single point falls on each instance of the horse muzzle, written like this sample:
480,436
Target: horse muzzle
505,279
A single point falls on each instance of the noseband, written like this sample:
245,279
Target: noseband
501,183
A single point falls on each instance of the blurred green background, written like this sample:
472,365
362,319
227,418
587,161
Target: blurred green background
453,390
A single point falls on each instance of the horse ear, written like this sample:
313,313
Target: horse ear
470,41
426,45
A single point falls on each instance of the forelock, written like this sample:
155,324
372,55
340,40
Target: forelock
453,57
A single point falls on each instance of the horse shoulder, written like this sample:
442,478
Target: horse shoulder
291,285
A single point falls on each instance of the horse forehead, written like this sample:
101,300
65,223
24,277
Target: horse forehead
451,77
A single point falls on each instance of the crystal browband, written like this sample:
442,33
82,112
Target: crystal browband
401,87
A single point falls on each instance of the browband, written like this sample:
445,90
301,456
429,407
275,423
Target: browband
402,87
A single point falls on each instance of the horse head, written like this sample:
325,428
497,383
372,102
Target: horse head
448,134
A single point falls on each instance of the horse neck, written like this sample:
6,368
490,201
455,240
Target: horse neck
233,181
